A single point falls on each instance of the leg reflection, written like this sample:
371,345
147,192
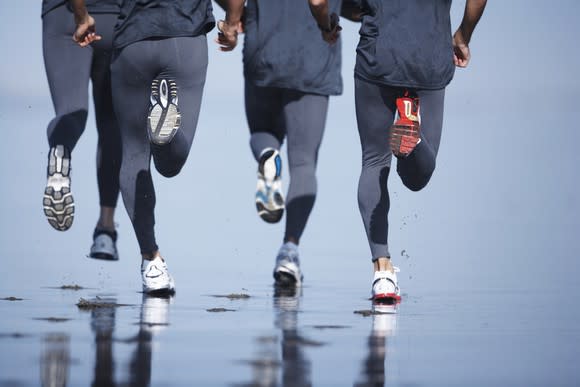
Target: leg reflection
383,326
103,325
154,319
295,366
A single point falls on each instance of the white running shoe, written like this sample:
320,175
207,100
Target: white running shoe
156,278
269,196
385,286
287,270
164,118
58,202
104,245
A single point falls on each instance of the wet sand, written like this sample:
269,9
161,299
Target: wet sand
264,336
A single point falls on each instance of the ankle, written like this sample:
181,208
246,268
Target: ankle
151,256
383,264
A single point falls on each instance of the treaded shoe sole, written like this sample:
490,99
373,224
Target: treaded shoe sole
403,139
58,202
164,118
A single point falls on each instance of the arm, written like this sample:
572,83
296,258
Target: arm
327,23
85,31
229,28
462,37
222,3
351,11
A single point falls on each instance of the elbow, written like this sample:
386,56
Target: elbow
317,4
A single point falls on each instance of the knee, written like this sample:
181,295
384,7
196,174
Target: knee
416,183
171,166
169,172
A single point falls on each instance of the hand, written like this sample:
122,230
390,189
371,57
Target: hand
85,32
461,54
331,34
228,35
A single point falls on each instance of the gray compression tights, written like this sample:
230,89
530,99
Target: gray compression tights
375,111
275,114
68,70
184,60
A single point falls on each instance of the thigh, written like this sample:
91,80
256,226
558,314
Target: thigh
431,103
188,68
305,118
67,65
131,92
264,110
375,109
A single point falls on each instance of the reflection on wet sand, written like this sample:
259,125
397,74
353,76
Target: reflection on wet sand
154,317
383,326
295,366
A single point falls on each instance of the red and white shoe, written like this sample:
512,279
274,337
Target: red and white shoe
405,133
386,287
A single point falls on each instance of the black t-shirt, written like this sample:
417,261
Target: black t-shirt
406,43
283,47
93,6
145,19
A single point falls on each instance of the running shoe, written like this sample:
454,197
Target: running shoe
104,245
164,118
156,277
287,270
269,197
405,133
58,201
385,287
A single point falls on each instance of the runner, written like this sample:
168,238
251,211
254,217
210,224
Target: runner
405,59
68,70
158,75
289,75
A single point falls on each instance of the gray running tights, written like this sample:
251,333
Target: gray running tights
183,59
375,112
274,114
68,69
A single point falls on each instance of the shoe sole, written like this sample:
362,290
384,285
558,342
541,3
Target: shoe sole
164,118
403,139
58,202
285,278
386,298
162,292
103,256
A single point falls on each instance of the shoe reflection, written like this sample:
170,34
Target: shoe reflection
285,352
55,360
154,317
295,366
383,326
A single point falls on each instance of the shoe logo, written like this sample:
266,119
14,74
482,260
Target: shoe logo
163,93
153,272
408,105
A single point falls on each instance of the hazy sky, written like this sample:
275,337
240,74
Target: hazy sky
504,199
